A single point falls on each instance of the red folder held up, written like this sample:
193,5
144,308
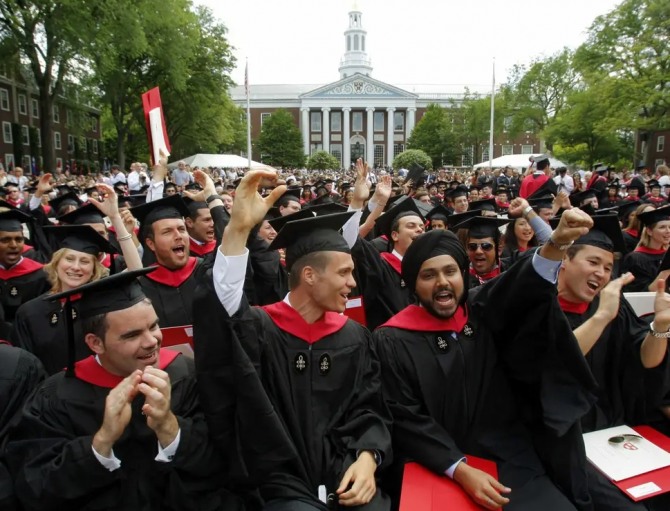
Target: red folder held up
155,122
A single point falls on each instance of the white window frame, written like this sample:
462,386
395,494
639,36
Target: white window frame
265,116
527,149
336,150
55,113
314,147
25,134
336,122
94,124
4,100
39,138
23,104
485,153
315,122
95,146
507,149
354,117
27,162
9,160
397,149
7,136
69,117
399,127
660,144
35,106
377,126
57,141
379,155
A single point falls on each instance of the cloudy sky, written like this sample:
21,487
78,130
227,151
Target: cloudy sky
416,41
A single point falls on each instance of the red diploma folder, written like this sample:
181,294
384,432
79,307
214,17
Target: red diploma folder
355,310
423,490
151,100
179,338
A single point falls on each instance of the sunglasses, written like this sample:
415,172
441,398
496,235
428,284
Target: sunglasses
619,439
486,246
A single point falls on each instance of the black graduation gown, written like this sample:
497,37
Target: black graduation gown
512,395
645,268
297,411
270,279
21,283
616,365
40,328
630,241
171,293
20,373
383,290
55,468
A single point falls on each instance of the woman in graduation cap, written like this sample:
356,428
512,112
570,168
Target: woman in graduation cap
645,260
39,326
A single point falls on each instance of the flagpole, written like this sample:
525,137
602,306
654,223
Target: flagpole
246,88
493,94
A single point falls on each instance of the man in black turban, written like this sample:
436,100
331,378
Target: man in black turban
473,375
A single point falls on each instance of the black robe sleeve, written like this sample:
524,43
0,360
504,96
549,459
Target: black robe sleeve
644,267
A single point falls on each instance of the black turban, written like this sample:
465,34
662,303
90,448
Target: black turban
431,244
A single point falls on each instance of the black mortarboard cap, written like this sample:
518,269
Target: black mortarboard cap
385,222
627,207
483,205
423,207
63,189
416,173
193,187
540,158
308,235
392,200
652,183
278,221
601,169
638,184
438,213
655,216
82,238
459,191
292,192
605,233
454,220
614,184
91,189
116,292
69,199
324,199
86,214
541,202
576,199
328,208
11,220
640,165
613,210
167,207
483,226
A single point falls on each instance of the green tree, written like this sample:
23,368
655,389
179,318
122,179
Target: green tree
322,160
472,122
627,56
280,141
412,156
49,36
536,95
433,135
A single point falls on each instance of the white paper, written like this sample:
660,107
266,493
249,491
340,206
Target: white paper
624,460
354,302
157,138
643,489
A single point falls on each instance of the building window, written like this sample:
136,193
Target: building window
264,117
379,155
25,135
357,121
69,117
468,156
485,154
399,121
379,121
507,149
7,133
314,147
4,99
26,162
397,149
315,121
83,145
660,144
336,150
94,124
56,114
526,149
9,161
348,44
23,104
355,42
57,140
95,146
70,143
336,121
35,108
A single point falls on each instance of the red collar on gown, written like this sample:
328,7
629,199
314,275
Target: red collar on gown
24,267
173,278
633,232
576,308
90,371
487,276
107,261
201,249
393,261
651,251
418,319
288,320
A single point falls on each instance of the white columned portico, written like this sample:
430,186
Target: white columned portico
369,140
346,137
305,129
411,120
325,128
389,135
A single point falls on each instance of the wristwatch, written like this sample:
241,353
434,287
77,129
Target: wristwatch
559,247
212,198
658,335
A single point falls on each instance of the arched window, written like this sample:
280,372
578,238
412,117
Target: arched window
356,42
362,43
348,43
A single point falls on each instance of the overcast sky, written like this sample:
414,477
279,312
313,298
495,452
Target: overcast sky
417,41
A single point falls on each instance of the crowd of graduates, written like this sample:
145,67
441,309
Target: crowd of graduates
335,326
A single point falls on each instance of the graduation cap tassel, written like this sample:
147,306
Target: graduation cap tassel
69,322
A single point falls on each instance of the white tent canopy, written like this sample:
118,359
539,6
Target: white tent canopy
517,161
227,161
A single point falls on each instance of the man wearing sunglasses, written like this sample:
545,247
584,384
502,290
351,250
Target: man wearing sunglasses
482,247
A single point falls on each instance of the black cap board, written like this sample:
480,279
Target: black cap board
423,207
638,184
542,202
308,235
416,173
483,226
438,213
407,206
605,233
69,199
652,183
82,238
655,216
87,214
324,199
277,222
454,220
11,220
328,208
627,207
483,205
459,191
540,158
576,199
167,207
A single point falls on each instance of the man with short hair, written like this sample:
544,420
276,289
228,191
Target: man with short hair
534,180
121,429
118,177
482,245
181,176
200,227
134,184
459,198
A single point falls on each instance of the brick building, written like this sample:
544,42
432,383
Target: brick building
656,146
359,116
76,128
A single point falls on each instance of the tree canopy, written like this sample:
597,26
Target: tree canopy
280,141
433,135
412,156
322,160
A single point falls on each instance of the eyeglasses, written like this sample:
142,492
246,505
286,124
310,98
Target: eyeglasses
619,439
486,246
